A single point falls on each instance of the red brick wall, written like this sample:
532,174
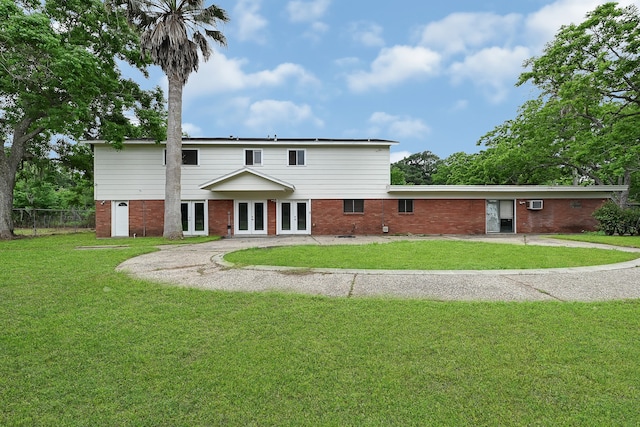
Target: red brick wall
220,215
457,216
558,216
327,217
103,218
146,218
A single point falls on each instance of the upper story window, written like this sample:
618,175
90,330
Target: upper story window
189,157
353,206
253,157
296,158
405,205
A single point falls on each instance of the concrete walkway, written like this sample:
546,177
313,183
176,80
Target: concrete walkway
201,266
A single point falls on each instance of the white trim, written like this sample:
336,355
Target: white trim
211,185
253,150
197,150
115,231
297,165
505,191
191,231
251,229
293,203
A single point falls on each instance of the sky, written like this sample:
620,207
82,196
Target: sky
433,76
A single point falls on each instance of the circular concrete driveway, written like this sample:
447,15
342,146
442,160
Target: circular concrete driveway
201,266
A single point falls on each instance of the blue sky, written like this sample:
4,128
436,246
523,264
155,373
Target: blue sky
432,75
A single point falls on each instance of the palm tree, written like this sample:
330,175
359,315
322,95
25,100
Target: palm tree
173,33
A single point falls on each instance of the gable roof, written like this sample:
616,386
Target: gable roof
247,179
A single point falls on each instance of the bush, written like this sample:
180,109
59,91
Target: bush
630,222
613,219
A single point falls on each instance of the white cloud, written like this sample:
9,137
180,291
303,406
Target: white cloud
316,30
367,34
493,69
307,11
461,104
350,61
222,74
460,32
267,114
543,25
191,129
399,155
398,126
250,23
395,65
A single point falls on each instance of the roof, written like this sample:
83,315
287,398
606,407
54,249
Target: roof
246,179
506,191
270,141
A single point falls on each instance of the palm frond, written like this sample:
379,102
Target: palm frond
174,31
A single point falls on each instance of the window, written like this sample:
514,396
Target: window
253,157
296,158
405,206
189,157
353,206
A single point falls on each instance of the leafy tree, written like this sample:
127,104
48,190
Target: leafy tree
173,32
60,76
397,176
585,125
590,75
418,168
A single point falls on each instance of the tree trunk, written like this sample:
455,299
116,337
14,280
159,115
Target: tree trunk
9,162
172,198
7,182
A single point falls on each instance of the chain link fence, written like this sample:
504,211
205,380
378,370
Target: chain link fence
46,221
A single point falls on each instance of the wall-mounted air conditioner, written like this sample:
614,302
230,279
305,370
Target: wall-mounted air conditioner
534,205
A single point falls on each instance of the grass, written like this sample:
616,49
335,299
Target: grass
428,255
627,241
81,344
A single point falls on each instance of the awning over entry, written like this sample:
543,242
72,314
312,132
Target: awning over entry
247,180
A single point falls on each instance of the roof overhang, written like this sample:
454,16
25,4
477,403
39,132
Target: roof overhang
247,180
505,191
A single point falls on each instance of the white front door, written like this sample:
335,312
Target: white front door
120,219
194,218
250,217
294,217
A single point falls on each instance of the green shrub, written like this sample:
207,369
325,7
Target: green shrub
608,215
630,222
613,219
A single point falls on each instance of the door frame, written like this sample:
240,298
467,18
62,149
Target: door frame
293,230
251,231
191,218
121,219
501,221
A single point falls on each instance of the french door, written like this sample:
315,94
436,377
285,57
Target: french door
194,218
294,217
250,217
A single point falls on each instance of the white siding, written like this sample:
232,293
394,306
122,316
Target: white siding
331,171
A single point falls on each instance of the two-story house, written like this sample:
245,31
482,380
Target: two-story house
271,186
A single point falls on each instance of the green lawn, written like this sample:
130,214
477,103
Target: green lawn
428,255
83,345
628,241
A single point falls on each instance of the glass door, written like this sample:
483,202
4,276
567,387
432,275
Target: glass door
251,217
194,218
294,217
500,216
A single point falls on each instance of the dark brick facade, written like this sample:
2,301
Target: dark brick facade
430,216
103,218
558,216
